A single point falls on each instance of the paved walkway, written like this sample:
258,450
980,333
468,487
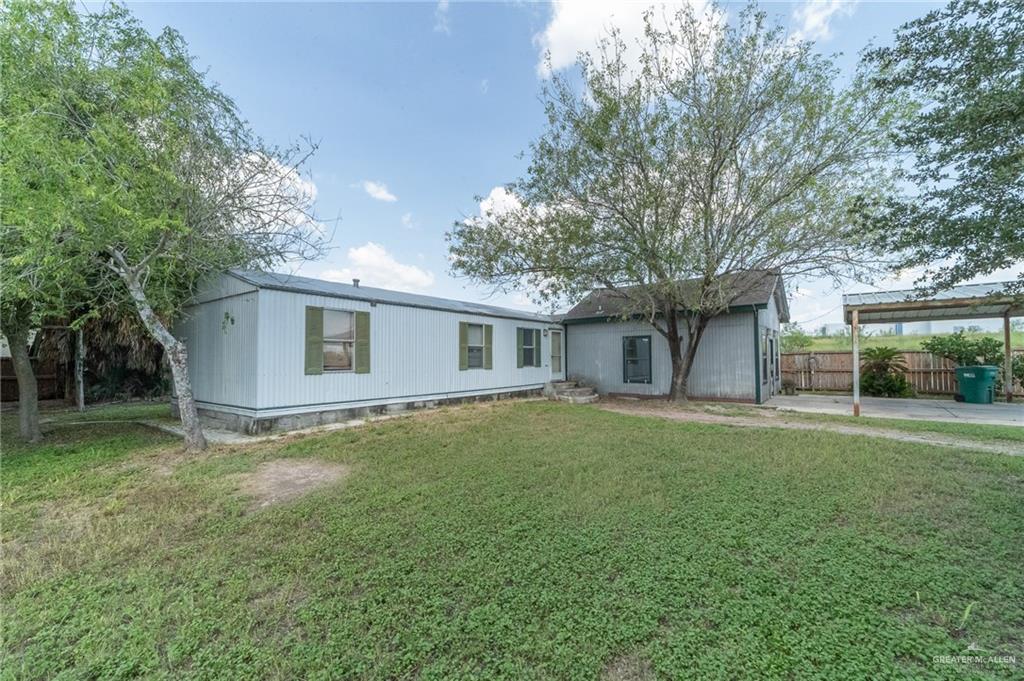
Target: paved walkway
1000,413
767,418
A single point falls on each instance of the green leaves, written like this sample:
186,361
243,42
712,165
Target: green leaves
722,148
112,141
964,66
965,350
884,373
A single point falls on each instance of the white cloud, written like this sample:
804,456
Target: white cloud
441,18
377,190
374,266
408,222
813,18
485,85
498,201
579,25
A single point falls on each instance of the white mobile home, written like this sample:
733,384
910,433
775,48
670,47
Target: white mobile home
272,351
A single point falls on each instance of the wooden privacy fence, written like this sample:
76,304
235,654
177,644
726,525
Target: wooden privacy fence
928,374
49,377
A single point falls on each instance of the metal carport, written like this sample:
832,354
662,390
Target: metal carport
968,301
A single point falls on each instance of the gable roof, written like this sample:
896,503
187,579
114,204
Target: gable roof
754,289
332,289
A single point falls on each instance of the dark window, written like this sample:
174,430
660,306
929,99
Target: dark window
764,358
528,348
636,359
475,336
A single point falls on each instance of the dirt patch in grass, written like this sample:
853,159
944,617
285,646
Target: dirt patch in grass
630,667
281,480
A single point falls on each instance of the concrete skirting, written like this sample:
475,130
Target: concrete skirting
259,425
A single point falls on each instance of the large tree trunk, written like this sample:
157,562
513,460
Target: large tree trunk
28,389
682,362
177,358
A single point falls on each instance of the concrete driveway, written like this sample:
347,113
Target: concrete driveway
897,408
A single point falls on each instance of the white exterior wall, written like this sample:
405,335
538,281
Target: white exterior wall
223,343
723,367
414,355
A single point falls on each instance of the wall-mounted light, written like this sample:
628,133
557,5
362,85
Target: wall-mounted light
545,333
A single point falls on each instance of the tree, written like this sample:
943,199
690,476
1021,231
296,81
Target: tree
794,339
41,275
964,64
169,184
726,154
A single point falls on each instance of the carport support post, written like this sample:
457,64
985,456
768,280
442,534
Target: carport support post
855,334
1007,359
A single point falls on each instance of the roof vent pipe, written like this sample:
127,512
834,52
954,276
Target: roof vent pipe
355,282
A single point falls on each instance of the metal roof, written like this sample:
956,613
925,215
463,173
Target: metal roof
967,301
320,287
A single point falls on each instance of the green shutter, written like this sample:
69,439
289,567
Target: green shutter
488,340
536,348
519,347
314,340
463,346
362,359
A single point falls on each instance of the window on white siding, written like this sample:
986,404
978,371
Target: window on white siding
339,340
529,351
475,337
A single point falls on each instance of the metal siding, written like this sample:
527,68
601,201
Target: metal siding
413,354
221,286
222,355
723,366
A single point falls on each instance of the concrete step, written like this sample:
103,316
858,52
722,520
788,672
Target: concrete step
574,392
558,385
579,399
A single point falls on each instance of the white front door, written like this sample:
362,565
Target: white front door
557,368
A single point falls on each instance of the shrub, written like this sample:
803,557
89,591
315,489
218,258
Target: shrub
794,338
965,351
884,373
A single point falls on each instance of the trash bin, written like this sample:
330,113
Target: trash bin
977,383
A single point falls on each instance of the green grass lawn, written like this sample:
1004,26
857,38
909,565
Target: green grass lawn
518,540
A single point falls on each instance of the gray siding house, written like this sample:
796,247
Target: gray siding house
272,351
737,359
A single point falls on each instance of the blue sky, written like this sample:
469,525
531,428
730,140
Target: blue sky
420,107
